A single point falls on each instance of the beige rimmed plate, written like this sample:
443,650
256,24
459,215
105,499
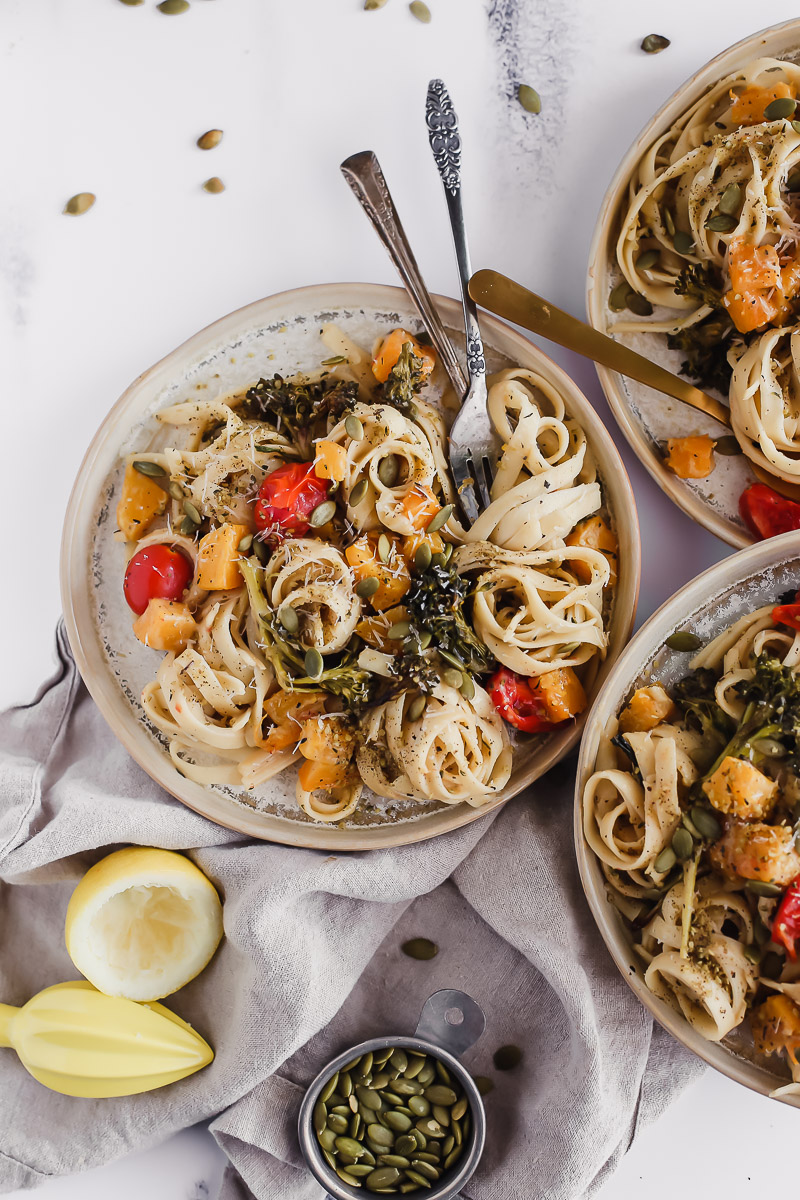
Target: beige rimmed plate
281,334
646,417
707,605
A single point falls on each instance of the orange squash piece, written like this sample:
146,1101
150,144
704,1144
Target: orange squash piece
282,707
330,461
327,740
595,533
419,506
141,501
322,776
748,107
218,551
412,543
393,577
756,292
647,708
690,457
562,693
165,625
389,350
374,629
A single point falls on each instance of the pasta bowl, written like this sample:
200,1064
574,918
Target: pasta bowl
707,606
281,334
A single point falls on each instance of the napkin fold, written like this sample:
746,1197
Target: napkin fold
312,963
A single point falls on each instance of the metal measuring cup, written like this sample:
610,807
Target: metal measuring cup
450,1022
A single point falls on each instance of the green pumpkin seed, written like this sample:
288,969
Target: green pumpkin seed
173,7
683,242
669,222
421,1140
458,1132
507,1057
780,109
721,223
349,1146
759,888
437,560
214,185
323,513
422,558
639,304
383,1177
439,1094
654,43
707,824
416,708
153,470
389,470
392,1098
192,512
384,548
351,1066
406,1188
423,949
399,630
684,641
447,1146
207,141
666,860
618,299
343,1110
188,527
245,543
406,1145
398,1121
682,844
417,1179
345,1084
132,3
647,260
371,5
398,1059
425,1169
337,1123
379,1057
361,1169
441,518
793,178
380,1135
408,1087
353,428
419,1106
467,688
731,199
459,1108
313,663
352,1104
430,1128
370,1100
77,205
380,1081
394,1160
727,445
441,1114
529,98
327,1138
448,552
176,491
346,1177
356,1125
421,11
330,1159
452,677
358,493
427,1073
320,1117
452,1157
483,1083
433,1159
369,1158
367,587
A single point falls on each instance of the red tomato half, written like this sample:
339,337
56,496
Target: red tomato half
786,926
787,614
287,497
518,702
156,571
766,513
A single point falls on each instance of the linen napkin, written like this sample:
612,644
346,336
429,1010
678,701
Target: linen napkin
311,963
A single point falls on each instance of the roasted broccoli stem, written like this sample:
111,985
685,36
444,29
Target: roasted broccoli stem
294,407
404,382
770,724
435,604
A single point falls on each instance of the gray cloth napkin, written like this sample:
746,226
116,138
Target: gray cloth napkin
311,963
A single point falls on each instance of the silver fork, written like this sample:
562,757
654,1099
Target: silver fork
473,445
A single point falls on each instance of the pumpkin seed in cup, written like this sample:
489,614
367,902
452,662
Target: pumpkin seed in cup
402,1146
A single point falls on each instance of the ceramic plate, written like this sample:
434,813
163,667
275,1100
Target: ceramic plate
645,416
282,334
707,605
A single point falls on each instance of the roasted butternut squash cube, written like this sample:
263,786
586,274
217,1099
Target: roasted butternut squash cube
419,506
282,707
748,107
389,351
330,461
218,552
393,576
141,501
595,533
562,693
740,789
690,457
412,543
320,776
374,629
327,740
756,293
647,708
166,625
775,1025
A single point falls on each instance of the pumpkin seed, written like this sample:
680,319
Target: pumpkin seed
352,1104
669,222
349,1146
432,1158
529,98
392,1098
682,844
210,139
214,185
329,1088
666,860
780,108
353,428
383,1177
639,304
405,1188
483,1083
759,888
506,1058
384,548
684,641
380,1081
153,470
448,552
173,7
361,1169
416,708
425,1169
618,300
416,1178
346,1177
351,1066
452,677
322,514
796,126
406,1145
752,954
422,558
337,1123
358,493
654,43
439,1094
793,178
689,824
245,543
188,527
330,1159
421,1140
441,518
727,445
289,618
313,663
367,1063
451,1158
420,11
175,490
721,223
320,1117
370,5
261,551
707,824
399,630
379,1057
437,560
327,1138
356,1125
77,205
192,512
647,260
380,1135
731,199
423,949
399,1122
459,1108
457,1132
389,470
132,3
430,1128
367,587
467,688
447,1146
683,242
427,1073
441,1114
419,1106
408,1087
369,1098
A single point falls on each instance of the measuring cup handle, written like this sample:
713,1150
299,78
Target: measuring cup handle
452,1020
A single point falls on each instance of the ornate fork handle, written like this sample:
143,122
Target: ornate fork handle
365,177
445,143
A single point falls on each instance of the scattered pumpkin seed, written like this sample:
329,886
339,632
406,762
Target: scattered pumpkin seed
654,43
439,1094
192,511
397,1121
416,708
399,630
420,11
329,1088
371,5
706,823
669,222
77,205
437,560
261,551
507,1057
353,427
639,304
467,688
796,126
727,445
731,199
483,1083
666,860
289,618
647,260
337,1123
207,141
441,518
320,1117
389,470
346,1177
173,7
752,953
529,98
458,1110
322,514
188,527
154,470
618,299
422,558
245,543
448,551
358,493
420,948
314,668
780,108
683,242
425,1169
175,490
682,844
452,677
721,223
214,185
132,3
684,641
419,1106
367,587
759,888
384,548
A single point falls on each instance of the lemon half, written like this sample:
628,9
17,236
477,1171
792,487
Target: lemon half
142,923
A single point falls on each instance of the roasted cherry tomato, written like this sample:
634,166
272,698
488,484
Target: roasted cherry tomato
518,702
156,571
786,926
788,614
766,513
286,498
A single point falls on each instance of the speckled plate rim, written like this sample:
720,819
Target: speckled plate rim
773,41
699,593
77,541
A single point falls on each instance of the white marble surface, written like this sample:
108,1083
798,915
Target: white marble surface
107,98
